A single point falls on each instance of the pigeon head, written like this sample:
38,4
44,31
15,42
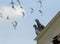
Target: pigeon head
34,25
36,20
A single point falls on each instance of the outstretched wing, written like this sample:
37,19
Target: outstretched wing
40,3
18,2
14,23
40,12
31,10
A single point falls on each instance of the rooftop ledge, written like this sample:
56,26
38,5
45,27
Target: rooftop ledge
47,27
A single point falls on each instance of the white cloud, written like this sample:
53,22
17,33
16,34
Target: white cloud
13,14
8,11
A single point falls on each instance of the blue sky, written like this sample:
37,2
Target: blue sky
25,33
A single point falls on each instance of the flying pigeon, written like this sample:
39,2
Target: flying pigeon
7,18
13,7
14,23
40,3
23,14
40,26
18,2
31,10
40,12
1,15
13,4
37,31
21,6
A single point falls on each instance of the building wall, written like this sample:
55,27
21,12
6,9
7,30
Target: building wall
52,29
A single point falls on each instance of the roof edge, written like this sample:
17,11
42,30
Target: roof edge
48,26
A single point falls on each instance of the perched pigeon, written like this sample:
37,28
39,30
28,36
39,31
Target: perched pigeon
40,26
14,23
37,31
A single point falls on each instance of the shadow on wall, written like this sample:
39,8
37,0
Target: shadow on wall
56,39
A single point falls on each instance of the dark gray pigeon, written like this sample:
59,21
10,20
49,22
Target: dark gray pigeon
37,31
40,26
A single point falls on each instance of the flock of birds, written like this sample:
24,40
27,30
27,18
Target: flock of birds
38,26
15,23
13,6
12,3
32,9
40,11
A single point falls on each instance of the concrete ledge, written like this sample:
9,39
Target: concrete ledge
48,26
